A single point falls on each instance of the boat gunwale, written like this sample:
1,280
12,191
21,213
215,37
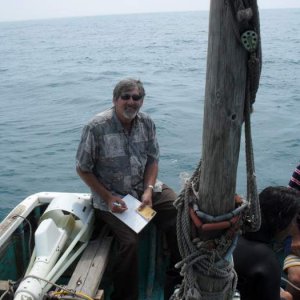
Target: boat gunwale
16,217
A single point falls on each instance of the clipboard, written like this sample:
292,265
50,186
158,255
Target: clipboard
133,218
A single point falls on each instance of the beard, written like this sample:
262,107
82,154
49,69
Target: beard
130,112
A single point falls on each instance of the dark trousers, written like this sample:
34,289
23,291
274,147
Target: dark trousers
126,277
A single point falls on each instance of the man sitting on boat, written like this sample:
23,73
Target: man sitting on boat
255,258
118,155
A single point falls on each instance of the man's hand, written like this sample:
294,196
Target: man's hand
284,295
147,198
116,204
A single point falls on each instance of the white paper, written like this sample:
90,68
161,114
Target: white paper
130,217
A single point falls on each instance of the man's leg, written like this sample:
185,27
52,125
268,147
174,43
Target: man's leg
125,276
165,220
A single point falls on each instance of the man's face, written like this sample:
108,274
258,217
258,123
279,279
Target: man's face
128,105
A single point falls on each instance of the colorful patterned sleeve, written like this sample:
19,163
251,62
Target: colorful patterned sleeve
153,147
295,179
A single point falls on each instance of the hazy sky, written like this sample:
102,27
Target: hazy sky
11,10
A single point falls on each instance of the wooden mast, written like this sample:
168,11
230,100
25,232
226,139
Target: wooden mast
206,207
223,118
223,112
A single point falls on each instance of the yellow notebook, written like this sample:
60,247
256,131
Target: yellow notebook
146,212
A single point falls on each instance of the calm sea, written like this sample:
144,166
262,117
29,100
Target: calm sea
56,74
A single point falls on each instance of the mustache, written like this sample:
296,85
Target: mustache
134,106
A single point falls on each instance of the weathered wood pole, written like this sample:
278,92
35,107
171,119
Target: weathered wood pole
223,112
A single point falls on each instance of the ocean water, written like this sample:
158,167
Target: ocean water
56,74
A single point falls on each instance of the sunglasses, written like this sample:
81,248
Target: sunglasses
134,97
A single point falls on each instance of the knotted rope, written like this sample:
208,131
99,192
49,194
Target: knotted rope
212,258
202,258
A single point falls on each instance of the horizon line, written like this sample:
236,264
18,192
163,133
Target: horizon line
119,14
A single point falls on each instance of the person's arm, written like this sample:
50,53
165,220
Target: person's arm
114,203
295,233
150,176
295,179
284,295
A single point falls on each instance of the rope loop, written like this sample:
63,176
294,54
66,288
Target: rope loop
205,222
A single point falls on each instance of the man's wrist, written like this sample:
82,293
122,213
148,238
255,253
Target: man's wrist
150,186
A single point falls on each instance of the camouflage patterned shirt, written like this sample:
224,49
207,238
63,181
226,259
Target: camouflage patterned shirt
117,159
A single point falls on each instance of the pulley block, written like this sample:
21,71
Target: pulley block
250,40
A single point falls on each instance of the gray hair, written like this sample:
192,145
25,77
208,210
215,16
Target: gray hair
126,85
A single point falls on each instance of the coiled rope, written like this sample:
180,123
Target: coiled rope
62,292
202,258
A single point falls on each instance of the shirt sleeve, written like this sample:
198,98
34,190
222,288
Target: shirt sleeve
295,179
86,152
153,147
